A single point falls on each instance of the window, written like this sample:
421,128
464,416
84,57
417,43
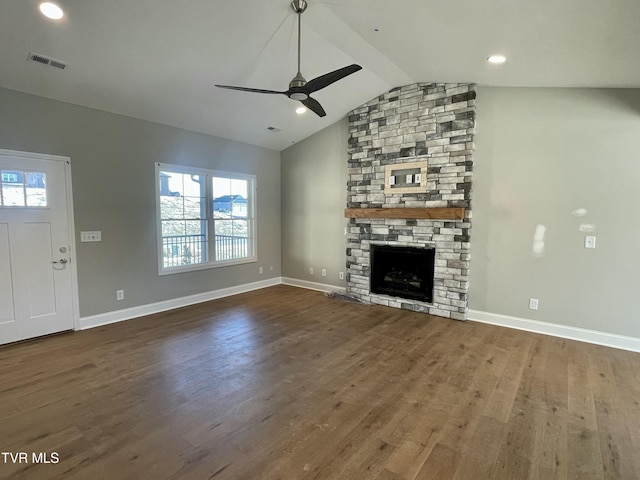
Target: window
22,189
205,218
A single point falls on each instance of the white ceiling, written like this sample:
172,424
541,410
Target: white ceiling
158,60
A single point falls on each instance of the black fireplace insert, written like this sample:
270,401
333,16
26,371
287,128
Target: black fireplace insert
405,272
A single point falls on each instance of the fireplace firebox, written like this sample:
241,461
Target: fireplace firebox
405,272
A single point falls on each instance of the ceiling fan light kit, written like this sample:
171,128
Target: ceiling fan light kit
299,88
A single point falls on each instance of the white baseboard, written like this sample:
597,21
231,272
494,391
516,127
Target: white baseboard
142,310
322,287
563,331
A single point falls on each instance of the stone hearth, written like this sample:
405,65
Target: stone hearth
425,121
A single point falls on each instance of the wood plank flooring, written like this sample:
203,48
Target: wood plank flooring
287,384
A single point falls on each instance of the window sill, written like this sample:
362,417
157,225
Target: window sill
206,266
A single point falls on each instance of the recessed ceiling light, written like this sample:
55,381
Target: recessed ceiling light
51,10
301,110
496,59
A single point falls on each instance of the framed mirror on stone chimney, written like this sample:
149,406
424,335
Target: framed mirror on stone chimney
405,178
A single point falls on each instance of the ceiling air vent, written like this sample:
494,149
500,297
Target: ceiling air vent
44,60
274,129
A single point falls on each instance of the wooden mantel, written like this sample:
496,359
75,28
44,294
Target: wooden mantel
432,213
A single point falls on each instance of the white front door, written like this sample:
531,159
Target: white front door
36,280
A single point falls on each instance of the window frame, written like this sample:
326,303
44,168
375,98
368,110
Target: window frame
208,175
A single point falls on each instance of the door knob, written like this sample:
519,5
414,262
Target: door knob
62,261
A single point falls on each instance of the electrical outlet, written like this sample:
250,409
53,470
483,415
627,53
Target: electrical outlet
324,272
533,303
260,270
310,270
589,242
119,295
341,275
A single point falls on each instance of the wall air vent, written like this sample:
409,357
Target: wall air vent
44,60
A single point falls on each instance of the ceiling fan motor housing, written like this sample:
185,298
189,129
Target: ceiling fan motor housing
295,88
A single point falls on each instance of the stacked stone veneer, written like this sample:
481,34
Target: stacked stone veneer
425,121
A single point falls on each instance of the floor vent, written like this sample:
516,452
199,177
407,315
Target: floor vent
44,60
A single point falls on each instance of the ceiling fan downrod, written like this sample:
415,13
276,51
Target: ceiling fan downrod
299,6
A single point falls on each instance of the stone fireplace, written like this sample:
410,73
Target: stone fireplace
428,124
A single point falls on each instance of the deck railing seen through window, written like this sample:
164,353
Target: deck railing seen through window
179,250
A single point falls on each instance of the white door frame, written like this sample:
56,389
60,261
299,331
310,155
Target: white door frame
66,161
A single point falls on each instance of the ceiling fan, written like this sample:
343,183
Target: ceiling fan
299,88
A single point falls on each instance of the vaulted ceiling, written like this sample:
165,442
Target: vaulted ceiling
158,60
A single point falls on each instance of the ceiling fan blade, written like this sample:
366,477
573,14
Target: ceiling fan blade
327,79
313,105
253,90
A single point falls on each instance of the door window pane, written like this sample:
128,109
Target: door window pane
23,189
35,188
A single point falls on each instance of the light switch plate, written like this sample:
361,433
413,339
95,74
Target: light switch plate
95,236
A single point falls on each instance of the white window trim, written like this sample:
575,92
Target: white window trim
208,174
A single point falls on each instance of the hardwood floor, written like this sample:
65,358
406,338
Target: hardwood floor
285,383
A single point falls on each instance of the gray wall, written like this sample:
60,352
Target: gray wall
112,160
314,196
541,154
